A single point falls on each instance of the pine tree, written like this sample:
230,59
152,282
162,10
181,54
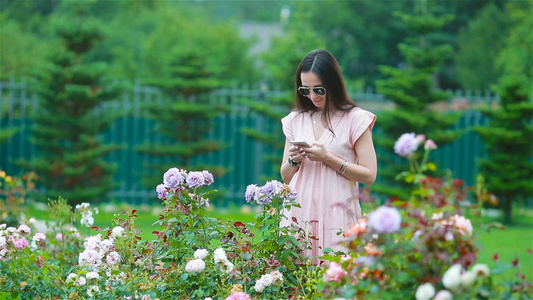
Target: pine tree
185,115
508,169
413,89
70,117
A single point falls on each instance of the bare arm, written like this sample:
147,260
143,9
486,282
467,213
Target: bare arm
288,171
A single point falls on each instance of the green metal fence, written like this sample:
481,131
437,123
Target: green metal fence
243,156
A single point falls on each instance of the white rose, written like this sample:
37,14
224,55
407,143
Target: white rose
467,278
93,290
425,291
481,270
80,281
200,253
71,277
92,275
227,266
443,295
117,232
195,266
452,277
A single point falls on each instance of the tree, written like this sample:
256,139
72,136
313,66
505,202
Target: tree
362,34
185,115
198,57
22,29
280,65
508,168
479,45
70,118
413,89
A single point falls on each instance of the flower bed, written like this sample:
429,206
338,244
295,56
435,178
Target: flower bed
422,247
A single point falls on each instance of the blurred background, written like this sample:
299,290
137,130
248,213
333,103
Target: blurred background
99,98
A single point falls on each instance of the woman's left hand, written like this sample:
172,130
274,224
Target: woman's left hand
317,152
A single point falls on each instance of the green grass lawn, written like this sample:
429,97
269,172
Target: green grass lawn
510,243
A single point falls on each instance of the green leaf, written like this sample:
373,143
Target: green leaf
432,166
410,178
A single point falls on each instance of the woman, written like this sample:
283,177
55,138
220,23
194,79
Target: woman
340,155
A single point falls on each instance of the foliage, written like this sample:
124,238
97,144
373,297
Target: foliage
474,59
168,29
362,35
23,27
185,116
508,137
417,246
70,117
413,91
185,72
356,36
194,255
508,167
15,40
516,56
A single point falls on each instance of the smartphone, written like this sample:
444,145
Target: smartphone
300,144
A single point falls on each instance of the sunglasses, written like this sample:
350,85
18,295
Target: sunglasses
305,91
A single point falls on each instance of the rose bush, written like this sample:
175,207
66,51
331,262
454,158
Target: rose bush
422,247
194,255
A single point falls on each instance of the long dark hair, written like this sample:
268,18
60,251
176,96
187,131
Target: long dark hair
325,66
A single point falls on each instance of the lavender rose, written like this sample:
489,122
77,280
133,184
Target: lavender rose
162,191
172,178
385,219
251,190
406,144
265,193
208,177
195,179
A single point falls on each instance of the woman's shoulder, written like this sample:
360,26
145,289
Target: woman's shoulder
358,112
292,115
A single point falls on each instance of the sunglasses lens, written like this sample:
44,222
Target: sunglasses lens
304,91
320,91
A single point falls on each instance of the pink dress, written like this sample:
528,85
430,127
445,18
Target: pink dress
329,201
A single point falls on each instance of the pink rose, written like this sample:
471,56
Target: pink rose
39,236
21,243
430,145
335,272
356,229
463,224
24,230
239,296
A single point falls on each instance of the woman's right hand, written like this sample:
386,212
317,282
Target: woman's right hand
297,154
